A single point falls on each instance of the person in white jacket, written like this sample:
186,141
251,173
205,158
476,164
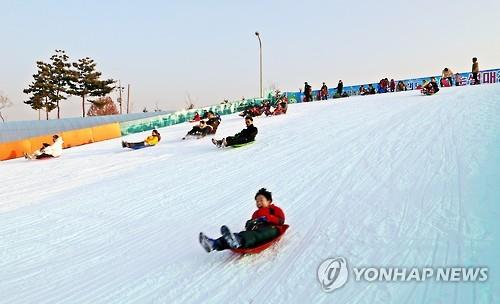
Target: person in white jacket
54,150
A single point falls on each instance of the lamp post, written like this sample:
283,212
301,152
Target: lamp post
260,48
120,90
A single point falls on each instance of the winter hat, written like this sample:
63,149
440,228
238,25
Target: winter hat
262,191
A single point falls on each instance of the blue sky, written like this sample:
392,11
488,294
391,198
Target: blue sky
207,49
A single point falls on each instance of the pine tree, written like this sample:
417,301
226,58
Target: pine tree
41,90
60,77
86,81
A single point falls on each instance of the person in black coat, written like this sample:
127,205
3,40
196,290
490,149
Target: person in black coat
340,88
213,121
199,131
434,85
245,136
307,92
431,87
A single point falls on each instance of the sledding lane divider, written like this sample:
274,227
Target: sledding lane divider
72,138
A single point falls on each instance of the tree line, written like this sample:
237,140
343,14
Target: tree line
58,79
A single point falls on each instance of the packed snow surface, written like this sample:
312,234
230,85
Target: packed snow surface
386,180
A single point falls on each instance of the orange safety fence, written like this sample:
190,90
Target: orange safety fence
72,138
105,132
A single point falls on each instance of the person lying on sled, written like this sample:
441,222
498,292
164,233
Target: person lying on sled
266,224
245,136
281,107
48,150
431,87
151,140
201,130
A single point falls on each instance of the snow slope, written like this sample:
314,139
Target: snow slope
389,180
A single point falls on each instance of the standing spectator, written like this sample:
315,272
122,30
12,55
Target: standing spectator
475,70
393,85
340,88
307,92
447,74
458,79
324,92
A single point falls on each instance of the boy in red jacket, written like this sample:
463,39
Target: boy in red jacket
266,224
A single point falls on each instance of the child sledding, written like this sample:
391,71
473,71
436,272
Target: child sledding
430,88
204,127
281,107
199,131
48,150
257,110
151,140
246,136
196,117
266,226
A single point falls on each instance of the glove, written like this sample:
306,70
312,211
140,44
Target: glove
252,224
262,219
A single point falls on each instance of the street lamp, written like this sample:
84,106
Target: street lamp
260,47
120,90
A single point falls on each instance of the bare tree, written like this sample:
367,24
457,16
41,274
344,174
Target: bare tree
4,103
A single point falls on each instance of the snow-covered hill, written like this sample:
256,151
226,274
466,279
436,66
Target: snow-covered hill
387,180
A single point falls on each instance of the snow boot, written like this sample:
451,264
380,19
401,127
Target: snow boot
218,143
231,238
207,243
29,156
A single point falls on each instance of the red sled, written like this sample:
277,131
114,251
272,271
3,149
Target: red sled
262,247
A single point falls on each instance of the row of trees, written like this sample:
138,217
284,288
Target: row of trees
57,80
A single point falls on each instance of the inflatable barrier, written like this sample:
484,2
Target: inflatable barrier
72,138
